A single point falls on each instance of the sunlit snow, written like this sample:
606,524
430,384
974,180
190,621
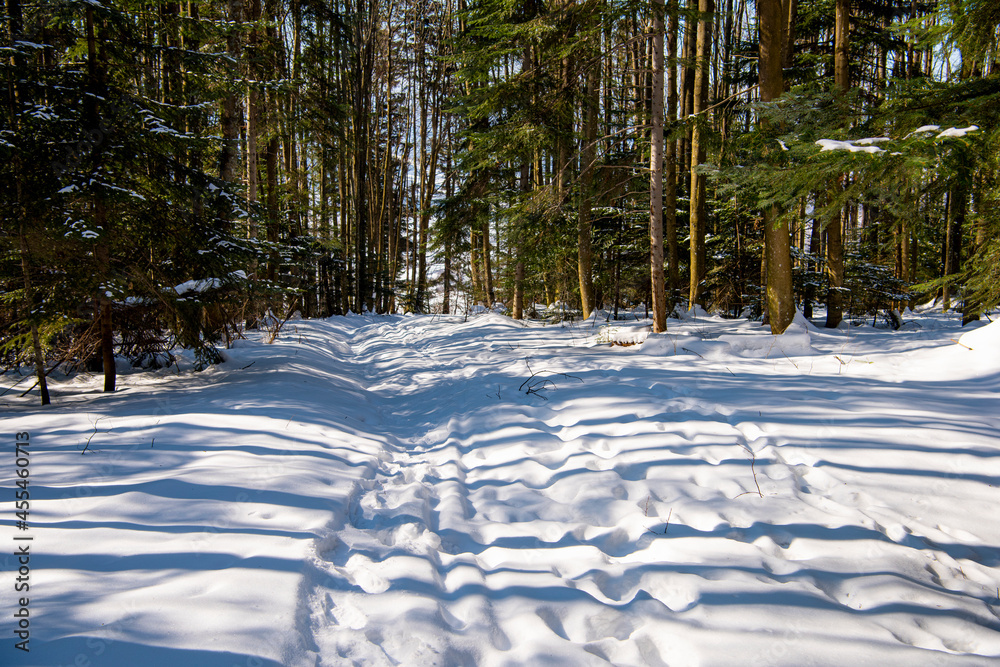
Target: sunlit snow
859,146
957,131
436,490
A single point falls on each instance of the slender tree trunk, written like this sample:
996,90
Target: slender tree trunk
519,291
588,156
841,44
518,306
658,293
273,236
446,304
15,27
230,111
565,120
670,167
834,231
815,243
697,210
29,300
363,66
487,267
953,239
253,111
426,185
102,251
688,55
835,270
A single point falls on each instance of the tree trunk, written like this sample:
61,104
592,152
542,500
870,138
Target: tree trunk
841,44
102,251
230,112
687,82
253,114
697,211
658,292
588,157
271,170
780,304
29,300
363,66
834,231
835,270
518,306
953,239
487,267
519,291
670,168
15,27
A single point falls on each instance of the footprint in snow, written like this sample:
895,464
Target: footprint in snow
359,571
345,614
678,592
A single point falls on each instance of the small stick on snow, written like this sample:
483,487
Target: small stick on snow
95,433
962,344
790,360
753,462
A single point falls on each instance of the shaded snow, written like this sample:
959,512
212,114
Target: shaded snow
202,285
384,491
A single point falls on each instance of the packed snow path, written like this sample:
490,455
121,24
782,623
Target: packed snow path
435,491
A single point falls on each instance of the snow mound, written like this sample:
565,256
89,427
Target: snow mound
985,340
985,337
667,344
801,320
618,334
696,311
795,342
973,354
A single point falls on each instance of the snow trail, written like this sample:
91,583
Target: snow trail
506,518
384,491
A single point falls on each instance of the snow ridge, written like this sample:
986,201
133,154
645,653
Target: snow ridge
383,491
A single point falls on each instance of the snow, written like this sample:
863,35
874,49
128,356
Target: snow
198,286
444,490
986,339
957,131
860,146
872,140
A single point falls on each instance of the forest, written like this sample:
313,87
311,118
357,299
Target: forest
175,173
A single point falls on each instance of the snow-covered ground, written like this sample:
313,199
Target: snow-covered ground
436,491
